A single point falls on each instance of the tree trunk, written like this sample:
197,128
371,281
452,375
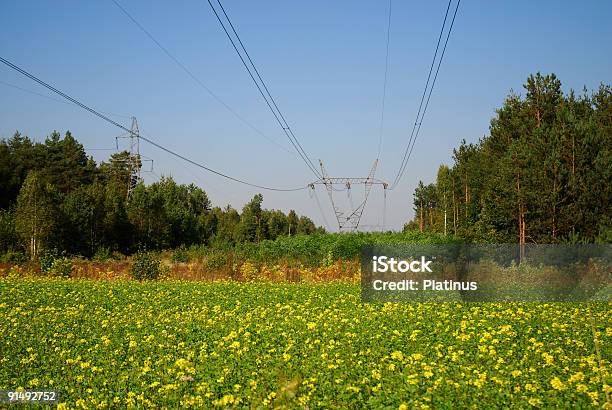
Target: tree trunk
521,218
421,216
467,199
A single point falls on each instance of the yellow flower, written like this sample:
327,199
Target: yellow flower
557,384
397,355
182,363
578,377
534,402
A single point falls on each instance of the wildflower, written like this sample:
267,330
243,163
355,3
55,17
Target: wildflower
557,384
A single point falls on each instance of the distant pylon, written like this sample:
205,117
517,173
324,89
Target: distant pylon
135,159
349,221
134,163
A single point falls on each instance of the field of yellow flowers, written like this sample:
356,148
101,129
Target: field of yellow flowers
117,344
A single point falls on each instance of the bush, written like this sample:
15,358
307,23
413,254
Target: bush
102,254
61,267
16,257
180,255
54,263
215,261
47,258
146,266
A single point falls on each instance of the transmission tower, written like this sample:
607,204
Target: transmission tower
348,220
134,160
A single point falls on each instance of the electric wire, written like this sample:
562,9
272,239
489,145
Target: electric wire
433,61
384,96
434,81
197,80
316,197
150,141
48,97
286,125
268,99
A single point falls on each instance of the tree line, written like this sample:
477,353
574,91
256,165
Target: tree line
542,175
53,196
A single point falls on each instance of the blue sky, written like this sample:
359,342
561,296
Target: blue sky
324,64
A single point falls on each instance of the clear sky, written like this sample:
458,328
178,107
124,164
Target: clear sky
324,64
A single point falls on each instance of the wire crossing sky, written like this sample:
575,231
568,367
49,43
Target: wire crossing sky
325,63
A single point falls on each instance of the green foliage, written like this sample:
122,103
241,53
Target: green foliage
146,266
36,214
102,254
14,257
215,260
46,259
52,195
8,236
54,263
319,249
180,254
61,267
227,345
541,176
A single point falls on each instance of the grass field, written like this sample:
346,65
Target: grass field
169,344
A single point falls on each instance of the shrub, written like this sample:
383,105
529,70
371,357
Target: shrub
61,267
102,254
16,257
47,258
146,266
54,263
249,271
180,255
215,261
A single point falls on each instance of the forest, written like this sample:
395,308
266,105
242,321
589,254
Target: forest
53,196
542,175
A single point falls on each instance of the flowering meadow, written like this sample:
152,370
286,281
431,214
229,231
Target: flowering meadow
170,344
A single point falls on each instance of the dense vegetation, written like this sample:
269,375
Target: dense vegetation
542,174
126,344
52,196
317,249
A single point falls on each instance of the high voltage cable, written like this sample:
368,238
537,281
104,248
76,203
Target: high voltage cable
316,197
197,80
48,97
384,96
434,81
155,144
433,62
286,125
268,99
421,111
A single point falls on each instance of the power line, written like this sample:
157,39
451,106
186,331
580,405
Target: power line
155,144
433,61
434,81
419,112
268,99
384,96
48,97
316,197
197,80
